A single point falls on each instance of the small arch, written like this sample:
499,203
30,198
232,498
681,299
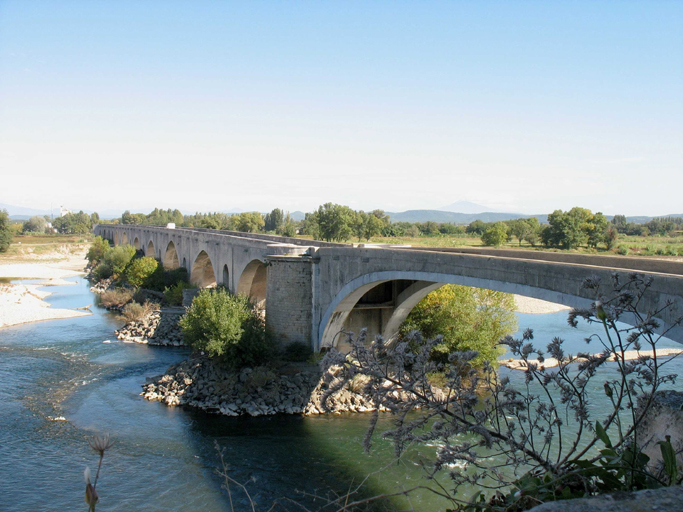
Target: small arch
150,250
253,282
136,243
116,238
203,275
226,277
171,260
185,263
124,238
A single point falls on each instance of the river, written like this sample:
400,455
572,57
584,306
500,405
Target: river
64,380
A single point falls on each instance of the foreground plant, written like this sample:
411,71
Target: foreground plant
99,444
515,445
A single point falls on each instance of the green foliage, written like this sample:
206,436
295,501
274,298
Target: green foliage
226,326
140,270
467,318
5,231
495,235
162,279
249,222
335,222
97,250
577,227
119,257
73,223
297,352
116,298
102,271
274,220
134,312
35,224
174,293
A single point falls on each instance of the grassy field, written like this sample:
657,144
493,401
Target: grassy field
626,245
44,248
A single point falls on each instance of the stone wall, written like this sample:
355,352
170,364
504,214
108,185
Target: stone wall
289,298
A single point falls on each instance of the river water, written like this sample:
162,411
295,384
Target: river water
64,380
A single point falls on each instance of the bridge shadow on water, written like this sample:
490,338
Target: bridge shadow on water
296,461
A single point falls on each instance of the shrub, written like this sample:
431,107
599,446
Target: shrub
134,312
162,279
97,250
623,250
495,235
5,231
116,298
226,326
174,294
119,257
140,270
297,352
101,272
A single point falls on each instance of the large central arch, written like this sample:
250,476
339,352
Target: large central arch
171,260
337,313
202,274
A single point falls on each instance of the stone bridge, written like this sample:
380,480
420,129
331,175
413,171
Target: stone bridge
312,290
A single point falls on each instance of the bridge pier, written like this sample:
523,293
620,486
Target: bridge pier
289,298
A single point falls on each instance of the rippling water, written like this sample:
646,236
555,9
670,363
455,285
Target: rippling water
60,384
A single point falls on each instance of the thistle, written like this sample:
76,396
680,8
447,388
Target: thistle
99,444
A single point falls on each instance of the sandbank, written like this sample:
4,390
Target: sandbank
533,306
629,355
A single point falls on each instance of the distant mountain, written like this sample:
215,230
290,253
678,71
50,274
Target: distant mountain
297,215
24,212
464,207
457,218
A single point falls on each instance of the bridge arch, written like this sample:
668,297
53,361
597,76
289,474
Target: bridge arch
171,260
202,274
253,282
150,251
124,238
338,311
136,243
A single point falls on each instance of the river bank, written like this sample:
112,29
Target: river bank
23,303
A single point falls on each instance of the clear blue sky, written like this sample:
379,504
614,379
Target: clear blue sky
519,106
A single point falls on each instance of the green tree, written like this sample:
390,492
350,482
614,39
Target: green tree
567,230
250,222
97,250
496,234
359,224
5,231
335,222
596,229
309,225
140,270
95,218
476,227
119,257
373,226
467,318
288,227
226,326
274,220
35,224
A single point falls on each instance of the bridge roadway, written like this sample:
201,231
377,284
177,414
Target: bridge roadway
312,290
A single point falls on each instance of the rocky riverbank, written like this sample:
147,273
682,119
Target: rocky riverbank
159,328
290,389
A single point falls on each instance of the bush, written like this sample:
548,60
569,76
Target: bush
162,279
297,352
140,270
116,298
495,235
102,271
226,326
97,250
623,250
174,294
119,257
5,231
134,312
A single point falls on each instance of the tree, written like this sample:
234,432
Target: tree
250,222
289,226
467,318
476,227
335,222
373,226
35,224
310,226
97,250
596,229
620,222
5,231
119,257
226,326
274,220
567,229
95,217
496,234
139,270
359,224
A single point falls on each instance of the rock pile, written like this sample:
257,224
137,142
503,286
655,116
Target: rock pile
102,286
201,383
160,327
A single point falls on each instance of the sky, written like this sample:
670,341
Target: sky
519,106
